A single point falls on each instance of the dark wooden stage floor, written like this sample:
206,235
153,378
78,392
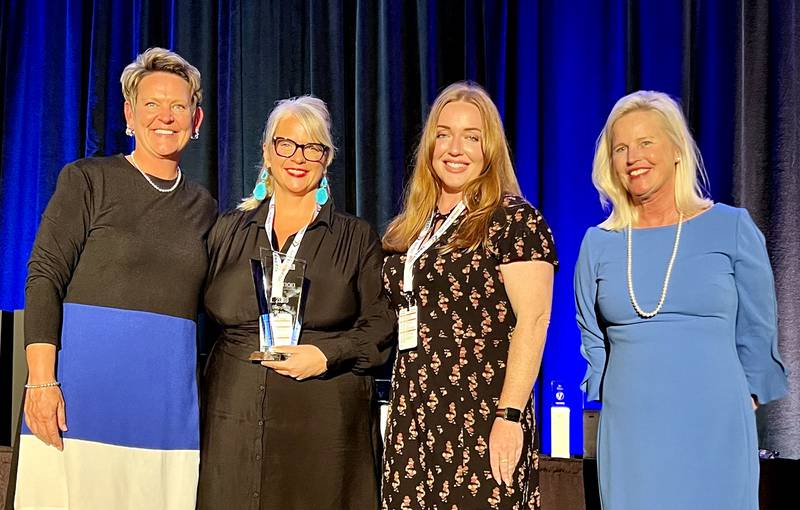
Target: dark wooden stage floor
571,484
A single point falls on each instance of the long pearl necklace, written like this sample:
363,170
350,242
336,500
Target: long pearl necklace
147,177
631,293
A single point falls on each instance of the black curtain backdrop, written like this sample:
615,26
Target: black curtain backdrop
554,69
766,180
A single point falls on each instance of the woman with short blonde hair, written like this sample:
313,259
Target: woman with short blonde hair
155,60
111,414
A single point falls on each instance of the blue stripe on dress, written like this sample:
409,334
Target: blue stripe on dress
128,378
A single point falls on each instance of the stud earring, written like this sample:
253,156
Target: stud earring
128,130
322,194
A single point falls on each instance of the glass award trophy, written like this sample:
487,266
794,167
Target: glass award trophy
278,282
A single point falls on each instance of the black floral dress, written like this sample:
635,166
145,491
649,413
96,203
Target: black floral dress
445,391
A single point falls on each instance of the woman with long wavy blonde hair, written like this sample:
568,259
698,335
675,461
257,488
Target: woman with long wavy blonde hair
470,272
482,195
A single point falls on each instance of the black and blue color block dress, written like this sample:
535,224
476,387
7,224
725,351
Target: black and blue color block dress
113,281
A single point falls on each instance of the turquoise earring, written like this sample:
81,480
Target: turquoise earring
322,194
260,191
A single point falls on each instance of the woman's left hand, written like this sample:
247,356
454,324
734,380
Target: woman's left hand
505,448
305,361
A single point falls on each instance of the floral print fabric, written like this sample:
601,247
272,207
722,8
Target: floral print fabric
445,391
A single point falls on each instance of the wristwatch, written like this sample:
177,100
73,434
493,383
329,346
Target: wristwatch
509,414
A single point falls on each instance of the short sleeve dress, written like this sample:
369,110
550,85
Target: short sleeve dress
677,429
445,391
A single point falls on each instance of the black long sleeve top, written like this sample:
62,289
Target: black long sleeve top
108,238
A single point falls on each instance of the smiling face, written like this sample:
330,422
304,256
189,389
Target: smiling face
643,156
458,151
294,174
162,118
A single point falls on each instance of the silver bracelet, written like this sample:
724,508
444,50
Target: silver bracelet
45,385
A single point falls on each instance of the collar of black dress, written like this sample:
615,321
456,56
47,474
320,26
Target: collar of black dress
259,215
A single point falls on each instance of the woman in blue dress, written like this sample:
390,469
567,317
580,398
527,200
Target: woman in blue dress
676,304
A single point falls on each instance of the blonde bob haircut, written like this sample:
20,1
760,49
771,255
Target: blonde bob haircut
312,113
159,60
690,175
482,195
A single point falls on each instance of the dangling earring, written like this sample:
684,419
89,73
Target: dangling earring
260,191
195,135
323,194
128,130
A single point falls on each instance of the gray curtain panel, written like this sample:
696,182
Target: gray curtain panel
766,175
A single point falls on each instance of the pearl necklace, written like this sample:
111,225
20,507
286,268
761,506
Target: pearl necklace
642,313
162,190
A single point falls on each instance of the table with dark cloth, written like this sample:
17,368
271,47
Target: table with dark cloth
571,484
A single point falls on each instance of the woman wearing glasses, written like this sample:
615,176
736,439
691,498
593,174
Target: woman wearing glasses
300,433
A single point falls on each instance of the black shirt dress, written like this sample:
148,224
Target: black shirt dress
269,441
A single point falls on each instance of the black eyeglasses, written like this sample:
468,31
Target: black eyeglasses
286,147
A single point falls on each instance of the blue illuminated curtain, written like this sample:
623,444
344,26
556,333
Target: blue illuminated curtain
554,69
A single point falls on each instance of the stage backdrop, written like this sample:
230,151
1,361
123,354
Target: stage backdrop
554,69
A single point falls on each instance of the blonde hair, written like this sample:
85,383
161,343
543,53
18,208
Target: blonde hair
312,113
155,60
482,195
690,175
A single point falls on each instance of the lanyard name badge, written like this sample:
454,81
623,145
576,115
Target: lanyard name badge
407,320
283,325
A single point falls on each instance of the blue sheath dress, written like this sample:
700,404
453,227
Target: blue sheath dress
677,429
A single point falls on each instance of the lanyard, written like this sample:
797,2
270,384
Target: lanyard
418,247
281,269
